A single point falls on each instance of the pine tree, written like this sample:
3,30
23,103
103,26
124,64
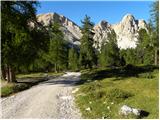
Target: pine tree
155,29
58,50
144,48
73,59
109,55
20,42
87,53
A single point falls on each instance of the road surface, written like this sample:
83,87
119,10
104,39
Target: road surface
50,99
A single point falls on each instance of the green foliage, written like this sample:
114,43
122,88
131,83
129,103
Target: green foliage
87,52
73,59
58,50
6,91
109,55
154,29
117,95
22,36
13,88
105,96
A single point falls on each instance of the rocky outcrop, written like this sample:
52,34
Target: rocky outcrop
71,31
101,31
126,30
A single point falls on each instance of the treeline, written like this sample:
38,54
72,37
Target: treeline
28,46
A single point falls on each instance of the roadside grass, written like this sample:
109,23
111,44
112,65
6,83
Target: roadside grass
35,75
11,88
24,81
104,91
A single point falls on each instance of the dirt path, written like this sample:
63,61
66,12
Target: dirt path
50,99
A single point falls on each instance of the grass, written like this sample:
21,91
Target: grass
24,82
35,75
104,91
11,88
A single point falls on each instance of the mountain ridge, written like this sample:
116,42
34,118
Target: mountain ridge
126,30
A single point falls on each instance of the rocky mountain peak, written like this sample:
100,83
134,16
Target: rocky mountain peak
128,17
101,33
71,31
126,30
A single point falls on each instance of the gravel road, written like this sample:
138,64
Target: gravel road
50,99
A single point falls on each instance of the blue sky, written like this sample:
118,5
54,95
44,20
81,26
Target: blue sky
111,11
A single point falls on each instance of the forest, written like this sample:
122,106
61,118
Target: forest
28,46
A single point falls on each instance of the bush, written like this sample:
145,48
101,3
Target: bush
92,87
13,88
118,95
5,91
20,86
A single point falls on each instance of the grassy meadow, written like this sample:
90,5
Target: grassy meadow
104,91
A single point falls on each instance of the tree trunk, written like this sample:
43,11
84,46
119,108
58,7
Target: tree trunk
9,74
3,73
12,75
156,57
55,68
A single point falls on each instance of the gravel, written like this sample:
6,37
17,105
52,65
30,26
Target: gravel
50,99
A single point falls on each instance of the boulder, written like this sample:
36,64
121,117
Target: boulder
126,110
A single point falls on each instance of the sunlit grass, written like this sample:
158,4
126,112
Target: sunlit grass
99,95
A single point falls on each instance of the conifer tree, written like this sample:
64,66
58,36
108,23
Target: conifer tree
20,42
58,51
87,52
73,59
109,55
155,29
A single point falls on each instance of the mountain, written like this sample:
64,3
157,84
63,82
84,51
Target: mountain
126,30
71,31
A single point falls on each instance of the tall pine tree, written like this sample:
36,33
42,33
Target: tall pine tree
58,50
87,52
109,55
73,59
20,42
155,29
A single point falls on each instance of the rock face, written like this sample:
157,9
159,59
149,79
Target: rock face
71,31
101,33
126,30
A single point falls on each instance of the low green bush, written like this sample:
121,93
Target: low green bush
5,91
13,88
20,86
117,95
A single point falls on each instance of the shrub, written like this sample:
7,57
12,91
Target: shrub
5,91
20,86
118,95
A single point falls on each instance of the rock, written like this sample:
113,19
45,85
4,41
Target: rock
126,110
66,97
101,33
136,112
112,103
72,32
88,109
126,30
74,91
